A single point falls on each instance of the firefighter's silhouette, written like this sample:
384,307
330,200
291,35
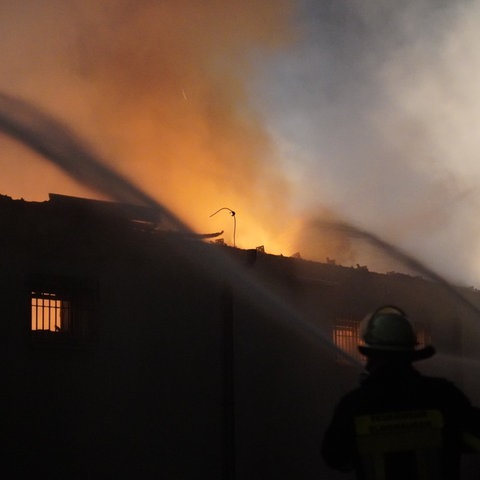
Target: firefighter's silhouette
399,424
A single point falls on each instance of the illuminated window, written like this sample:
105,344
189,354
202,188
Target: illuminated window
347,338
50,312
61,310
423,335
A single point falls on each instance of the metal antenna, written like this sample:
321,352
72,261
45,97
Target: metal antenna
232,213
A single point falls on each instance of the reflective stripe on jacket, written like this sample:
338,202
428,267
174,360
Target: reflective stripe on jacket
399,421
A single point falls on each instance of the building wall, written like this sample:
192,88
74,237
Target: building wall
203,361
143,396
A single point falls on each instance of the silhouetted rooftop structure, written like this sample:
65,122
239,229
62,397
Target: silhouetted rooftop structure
132,349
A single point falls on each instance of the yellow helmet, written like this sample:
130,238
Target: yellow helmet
388,331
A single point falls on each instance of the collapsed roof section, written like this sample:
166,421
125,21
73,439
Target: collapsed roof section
140,217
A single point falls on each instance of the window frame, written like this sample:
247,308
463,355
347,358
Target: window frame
81,296
347,343
350,343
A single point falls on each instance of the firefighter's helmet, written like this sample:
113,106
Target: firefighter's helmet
388,331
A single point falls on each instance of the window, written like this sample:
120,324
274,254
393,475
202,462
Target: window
347,338
423,335
61,310
50,312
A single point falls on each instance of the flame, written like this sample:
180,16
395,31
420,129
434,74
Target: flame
162,93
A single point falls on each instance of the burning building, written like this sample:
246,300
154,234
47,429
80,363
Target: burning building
129,348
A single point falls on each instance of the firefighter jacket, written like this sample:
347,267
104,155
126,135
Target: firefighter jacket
399,424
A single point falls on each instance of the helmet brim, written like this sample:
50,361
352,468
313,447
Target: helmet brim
411,355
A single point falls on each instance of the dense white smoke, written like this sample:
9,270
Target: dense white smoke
377,108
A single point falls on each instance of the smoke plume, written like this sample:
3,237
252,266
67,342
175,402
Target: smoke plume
160,90
380,124
285,112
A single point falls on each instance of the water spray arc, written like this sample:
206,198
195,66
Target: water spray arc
232,213
60,145
398,254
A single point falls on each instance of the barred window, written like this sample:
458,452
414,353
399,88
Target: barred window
424,337
50,312
346,337
61,310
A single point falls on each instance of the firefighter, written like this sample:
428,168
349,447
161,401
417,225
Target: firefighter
399,424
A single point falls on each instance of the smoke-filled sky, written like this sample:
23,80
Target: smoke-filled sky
286,112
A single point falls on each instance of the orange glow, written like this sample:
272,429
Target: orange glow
49,313
161,93
346,336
